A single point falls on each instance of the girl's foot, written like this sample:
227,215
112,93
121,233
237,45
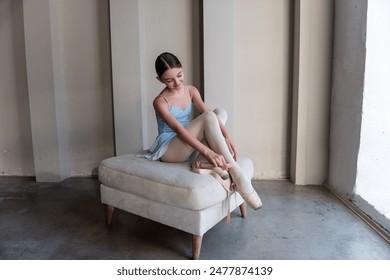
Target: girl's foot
218,173
244,187
205,165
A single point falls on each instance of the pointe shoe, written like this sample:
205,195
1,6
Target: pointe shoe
252,199
244,187
205,165
221,175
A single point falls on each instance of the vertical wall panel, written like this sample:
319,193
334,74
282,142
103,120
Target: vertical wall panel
218,49
262,60
45,86
347,94
16,152
126,75
311,91
140,31
87,75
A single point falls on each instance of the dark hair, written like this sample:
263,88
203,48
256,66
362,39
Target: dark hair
166,61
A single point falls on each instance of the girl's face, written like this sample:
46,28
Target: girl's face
173,78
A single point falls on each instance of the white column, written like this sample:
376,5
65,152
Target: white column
218,32
44,59
311,91
127,75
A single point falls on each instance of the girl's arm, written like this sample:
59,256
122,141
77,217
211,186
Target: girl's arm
202,107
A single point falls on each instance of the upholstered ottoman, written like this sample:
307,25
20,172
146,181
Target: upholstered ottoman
168,193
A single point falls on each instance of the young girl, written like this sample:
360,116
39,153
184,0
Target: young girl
179,136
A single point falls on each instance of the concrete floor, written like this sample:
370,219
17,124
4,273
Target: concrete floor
67,221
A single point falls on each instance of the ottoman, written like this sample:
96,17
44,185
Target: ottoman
168,193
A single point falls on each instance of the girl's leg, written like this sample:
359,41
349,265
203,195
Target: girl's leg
201,161
222,116
206,126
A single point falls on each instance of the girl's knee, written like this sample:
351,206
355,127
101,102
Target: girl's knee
209,116
221,114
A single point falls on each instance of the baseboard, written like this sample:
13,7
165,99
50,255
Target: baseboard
363,216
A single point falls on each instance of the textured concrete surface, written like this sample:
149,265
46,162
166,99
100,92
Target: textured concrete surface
67,221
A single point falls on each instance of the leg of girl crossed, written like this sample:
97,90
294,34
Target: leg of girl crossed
206,127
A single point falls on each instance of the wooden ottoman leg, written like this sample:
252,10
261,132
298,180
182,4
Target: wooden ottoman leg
243,210
196,246
110,212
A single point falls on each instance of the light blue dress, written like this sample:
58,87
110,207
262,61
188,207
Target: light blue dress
165,133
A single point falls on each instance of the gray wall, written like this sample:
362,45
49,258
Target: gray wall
261,81
359,153
347,93
88,83
247,48
16,155
80,116
82,86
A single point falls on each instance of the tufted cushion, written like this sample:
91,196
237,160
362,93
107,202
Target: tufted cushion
168,183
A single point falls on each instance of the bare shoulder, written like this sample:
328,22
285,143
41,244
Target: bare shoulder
197,99
193,91
159,101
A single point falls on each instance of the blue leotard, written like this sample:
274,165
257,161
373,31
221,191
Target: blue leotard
165,133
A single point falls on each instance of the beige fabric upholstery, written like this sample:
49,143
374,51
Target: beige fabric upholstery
167,193
194,222
167,183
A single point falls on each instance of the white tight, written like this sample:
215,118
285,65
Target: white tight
204,127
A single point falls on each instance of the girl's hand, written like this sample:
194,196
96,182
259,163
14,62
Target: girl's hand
232,147
215,159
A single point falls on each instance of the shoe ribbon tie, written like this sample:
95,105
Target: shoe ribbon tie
227,184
